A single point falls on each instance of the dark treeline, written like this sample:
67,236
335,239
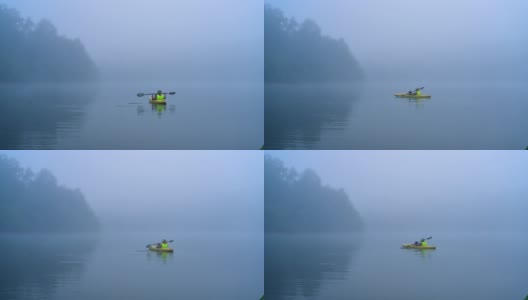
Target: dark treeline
299,203
36,52
296,52
32,202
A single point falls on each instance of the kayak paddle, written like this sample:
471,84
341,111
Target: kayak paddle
428,238
146,94
158,243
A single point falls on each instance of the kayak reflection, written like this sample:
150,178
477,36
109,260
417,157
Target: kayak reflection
163,257
158,109
418,102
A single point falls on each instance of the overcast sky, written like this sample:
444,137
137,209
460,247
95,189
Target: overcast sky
199,40
428,38
182,190
437,190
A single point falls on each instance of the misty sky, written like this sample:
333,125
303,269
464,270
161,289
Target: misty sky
427,189
178,190
188,40
425,37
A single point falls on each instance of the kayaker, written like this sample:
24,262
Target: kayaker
418,92
422,242
159,96
164,244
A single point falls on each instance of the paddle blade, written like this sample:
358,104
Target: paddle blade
140,94
172,93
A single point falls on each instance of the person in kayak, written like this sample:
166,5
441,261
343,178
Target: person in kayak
422,243
416,92
164,244
160,96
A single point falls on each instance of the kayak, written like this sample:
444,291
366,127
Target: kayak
411,246
162,102
405,95
154,248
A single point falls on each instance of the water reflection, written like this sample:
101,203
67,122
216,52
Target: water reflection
33,115
162,257
158,109
34,266
295,115
297,265
419,103
423,254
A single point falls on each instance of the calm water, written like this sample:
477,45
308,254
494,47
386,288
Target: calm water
111,116
367,116
118,266
373,266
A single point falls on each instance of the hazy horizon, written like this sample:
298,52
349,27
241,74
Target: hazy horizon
425,190
203,40
162,190
423,41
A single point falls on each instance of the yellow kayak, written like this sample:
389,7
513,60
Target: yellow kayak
155,248
406,95
162,102
411,246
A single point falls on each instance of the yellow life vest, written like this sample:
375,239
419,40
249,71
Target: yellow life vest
160,97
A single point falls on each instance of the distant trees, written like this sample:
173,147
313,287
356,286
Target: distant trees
300,203
36,52
300,53
36,203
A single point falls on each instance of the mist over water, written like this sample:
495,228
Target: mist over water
470,204
209,53
469,57
208,204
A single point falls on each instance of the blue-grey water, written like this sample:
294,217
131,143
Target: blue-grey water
110,116
464,115
483,266
118,266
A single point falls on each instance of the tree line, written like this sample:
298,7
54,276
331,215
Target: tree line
300,203
33,52
35,202
296,52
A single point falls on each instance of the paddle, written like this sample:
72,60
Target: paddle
428,238
415,90
146,94
158,243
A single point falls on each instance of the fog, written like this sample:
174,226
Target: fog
162,190
426,40
426,190
205,40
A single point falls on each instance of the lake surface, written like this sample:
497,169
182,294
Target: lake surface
118,266
373,266
111,116
476,115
